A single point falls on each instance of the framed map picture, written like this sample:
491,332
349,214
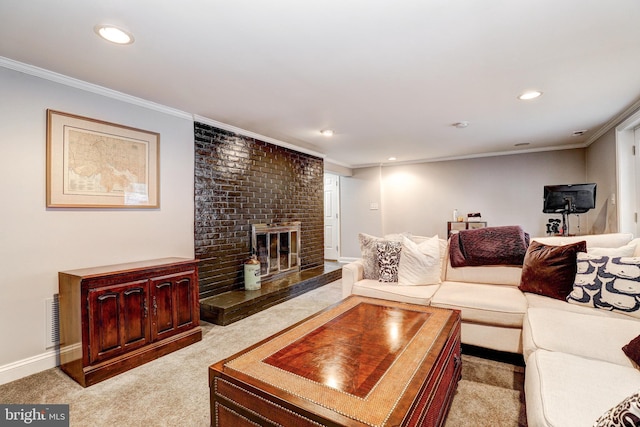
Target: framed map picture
95,164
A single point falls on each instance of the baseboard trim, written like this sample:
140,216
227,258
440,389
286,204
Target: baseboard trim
347,260
29,366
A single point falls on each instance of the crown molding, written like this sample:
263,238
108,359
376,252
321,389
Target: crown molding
633,108
240,131
476,156
89,87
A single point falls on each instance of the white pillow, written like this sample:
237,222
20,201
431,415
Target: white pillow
420,262
622,251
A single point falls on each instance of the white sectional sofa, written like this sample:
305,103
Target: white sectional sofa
575,367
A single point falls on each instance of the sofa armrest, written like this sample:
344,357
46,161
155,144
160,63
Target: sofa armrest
351,273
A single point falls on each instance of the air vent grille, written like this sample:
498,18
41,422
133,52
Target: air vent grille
52,329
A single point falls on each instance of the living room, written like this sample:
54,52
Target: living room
418,197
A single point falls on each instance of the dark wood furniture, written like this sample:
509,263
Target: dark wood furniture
114,318
361,362
456,226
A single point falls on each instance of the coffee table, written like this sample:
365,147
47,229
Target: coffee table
360,362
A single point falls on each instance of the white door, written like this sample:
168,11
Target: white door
636,147
331,216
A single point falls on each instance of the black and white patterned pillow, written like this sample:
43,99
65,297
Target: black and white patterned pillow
624,414
608,283
388,260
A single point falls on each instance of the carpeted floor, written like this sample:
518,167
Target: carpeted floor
174,390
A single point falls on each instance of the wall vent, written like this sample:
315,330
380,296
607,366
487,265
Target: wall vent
52,329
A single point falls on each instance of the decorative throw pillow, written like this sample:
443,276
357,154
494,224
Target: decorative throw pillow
608,283
388,260
624,414
550,270
420,262
632,350
369,255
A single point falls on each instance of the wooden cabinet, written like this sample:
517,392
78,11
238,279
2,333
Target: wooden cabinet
114,318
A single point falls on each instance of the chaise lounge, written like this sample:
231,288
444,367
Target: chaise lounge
557,308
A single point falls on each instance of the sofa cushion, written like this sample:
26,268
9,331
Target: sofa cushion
388,259
420,263
624,414
594,337
559,388
540,301
607,283
391,291
482,303
490,274
611,240
625,251
550,270
632,350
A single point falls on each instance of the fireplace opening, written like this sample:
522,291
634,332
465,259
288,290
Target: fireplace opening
277,247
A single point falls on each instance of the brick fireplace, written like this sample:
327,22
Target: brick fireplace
240,182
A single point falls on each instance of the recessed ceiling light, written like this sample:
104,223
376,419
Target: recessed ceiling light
113,34
531,94
327,132
579,132
392,159
521,144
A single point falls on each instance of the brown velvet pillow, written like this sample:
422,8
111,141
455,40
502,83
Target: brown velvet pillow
632,350
550,270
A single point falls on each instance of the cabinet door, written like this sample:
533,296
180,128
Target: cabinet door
172,304
118,319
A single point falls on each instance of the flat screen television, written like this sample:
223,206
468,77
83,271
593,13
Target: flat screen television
569,198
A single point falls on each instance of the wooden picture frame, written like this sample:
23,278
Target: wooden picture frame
96,164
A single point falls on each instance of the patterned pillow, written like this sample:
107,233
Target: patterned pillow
388,260
608,283
625,413
369,255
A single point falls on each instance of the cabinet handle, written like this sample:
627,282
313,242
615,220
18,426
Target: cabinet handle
155,306
146,309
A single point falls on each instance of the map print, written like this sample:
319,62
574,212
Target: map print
105,165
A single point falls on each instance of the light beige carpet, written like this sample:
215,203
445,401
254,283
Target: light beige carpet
174,390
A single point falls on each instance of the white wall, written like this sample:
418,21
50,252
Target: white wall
420,198
601,167
357,192
36,242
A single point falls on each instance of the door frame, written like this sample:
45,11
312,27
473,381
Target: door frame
627,170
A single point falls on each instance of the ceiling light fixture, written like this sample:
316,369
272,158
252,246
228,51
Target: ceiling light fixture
392,159
113,34
531,94
521,144
461,125
327,132
579,132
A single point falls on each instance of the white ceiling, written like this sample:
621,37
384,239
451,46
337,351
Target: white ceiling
389,76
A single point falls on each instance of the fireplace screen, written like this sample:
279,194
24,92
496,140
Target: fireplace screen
277,247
